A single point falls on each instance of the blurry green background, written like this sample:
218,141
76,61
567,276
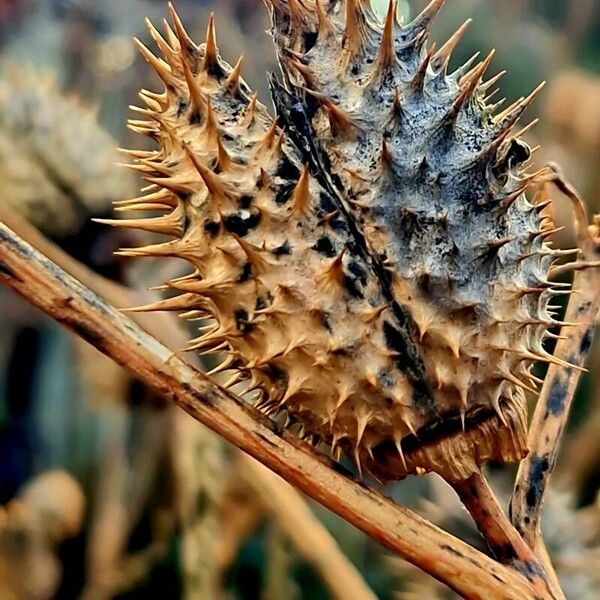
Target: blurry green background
155,507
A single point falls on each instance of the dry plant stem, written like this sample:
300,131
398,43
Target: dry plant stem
503,539
501,536
556,397
467,571
312,542
167,329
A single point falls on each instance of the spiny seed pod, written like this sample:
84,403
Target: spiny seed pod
369,261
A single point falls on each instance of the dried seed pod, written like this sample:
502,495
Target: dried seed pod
373,269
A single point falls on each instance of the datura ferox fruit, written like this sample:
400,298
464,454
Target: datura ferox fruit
367,260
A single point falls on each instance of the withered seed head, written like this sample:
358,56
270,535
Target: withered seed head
388,290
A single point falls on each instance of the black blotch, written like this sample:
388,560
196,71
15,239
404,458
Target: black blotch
182,106
284,193
241,225
340,352
195,117
537,476
310,39
202,503
358,272
350,285
283,250
325,247
86,332
212,227
287,170
246,272
326,322
326,203
276,374
558,395
245,201
215,69
261,303
241,320
424,283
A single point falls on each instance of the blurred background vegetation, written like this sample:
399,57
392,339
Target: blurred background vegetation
108,492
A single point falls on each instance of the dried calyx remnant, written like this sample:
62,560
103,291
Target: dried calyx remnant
368,262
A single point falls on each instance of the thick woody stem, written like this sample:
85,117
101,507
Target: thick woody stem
556,398
467,571
503,539
501,536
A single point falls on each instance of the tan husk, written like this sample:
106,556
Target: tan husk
388,295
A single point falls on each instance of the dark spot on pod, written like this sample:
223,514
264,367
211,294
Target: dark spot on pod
195,117
283,250
326,322
338,225
246,272
245,201
215,70
325,247
182,106
358,272
261,303
309,39
277,374
326,203
350,285
287,170
284,193
212,227
241,225
241,320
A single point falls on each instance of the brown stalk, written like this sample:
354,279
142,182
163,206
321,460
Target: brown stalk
467,571
556,398
503,539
